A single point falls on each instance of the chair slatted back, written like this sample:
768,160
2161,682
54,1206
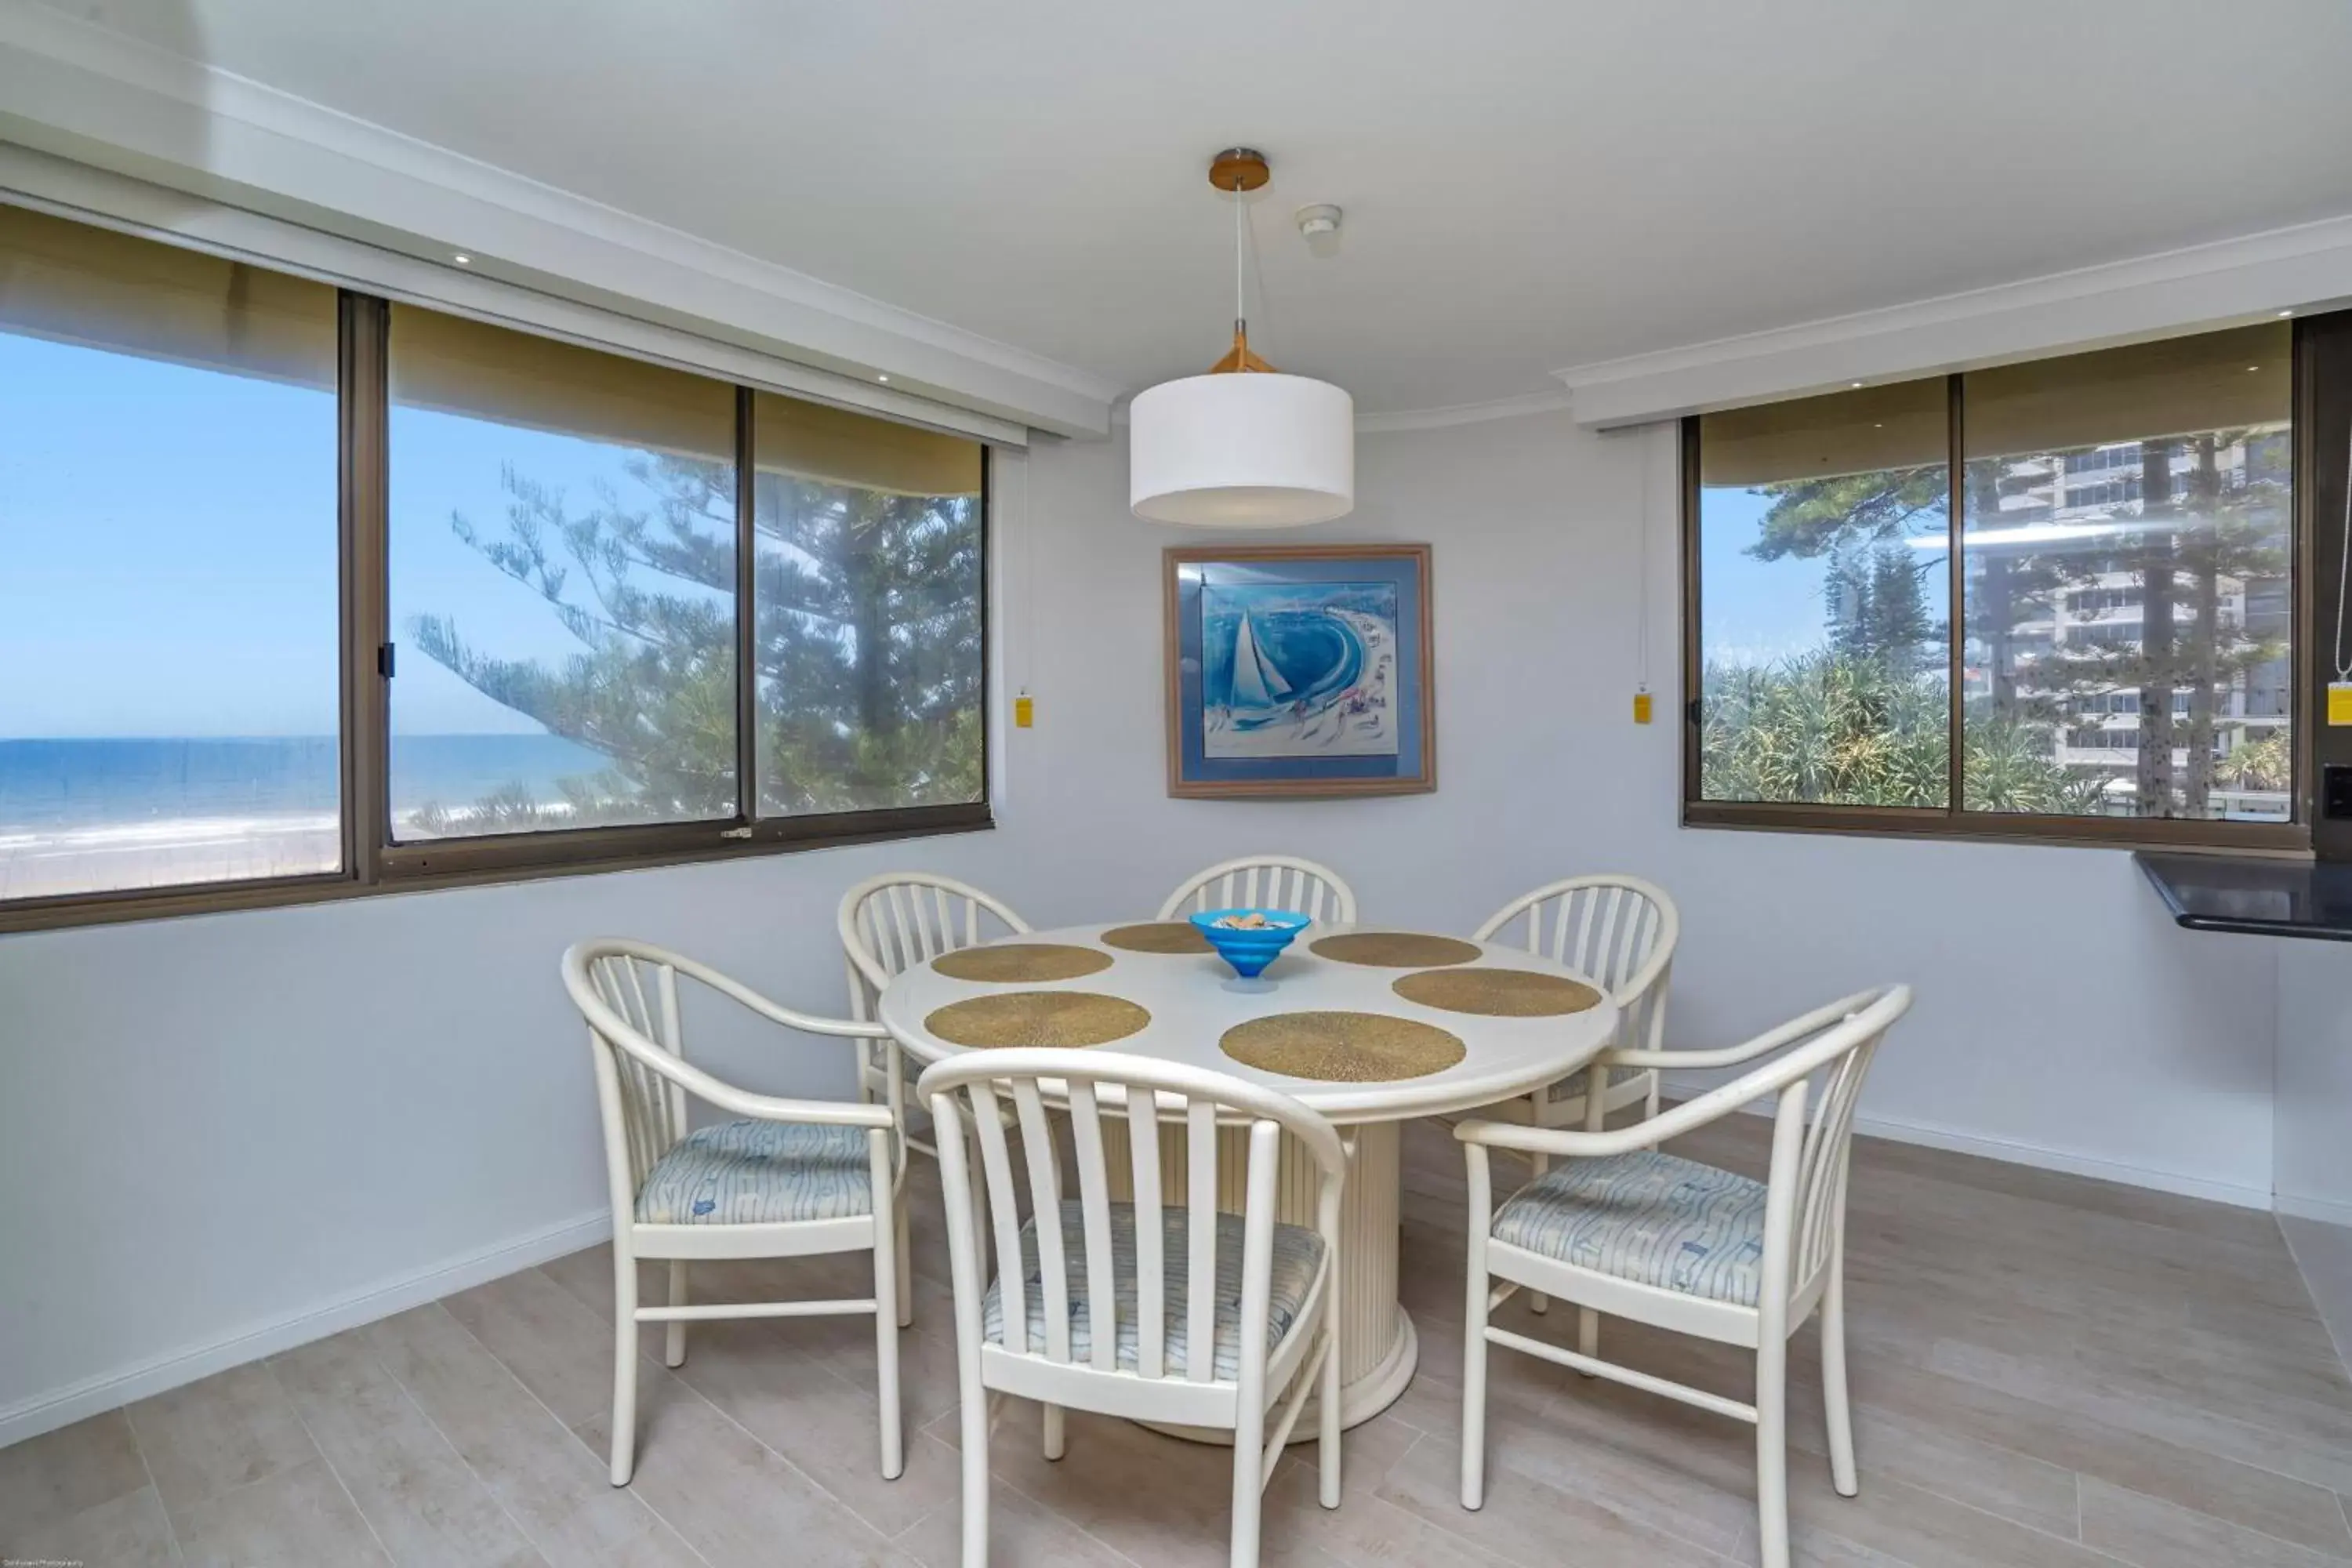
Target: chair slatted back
1266,882
652,1109
967,1096
894,923
1621,930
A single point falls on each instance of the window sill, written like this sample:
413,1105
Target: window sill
488,862
2288,841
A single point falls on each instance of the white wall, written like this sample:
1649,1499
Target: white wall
2314,1082
220,1135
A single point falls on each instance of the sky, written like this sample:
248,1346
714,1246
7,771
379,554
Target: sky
1760,612
185,583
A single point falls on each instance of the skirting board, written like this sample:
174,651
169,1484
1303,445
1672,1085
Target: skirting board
2031,1155
108,1391
2326,1211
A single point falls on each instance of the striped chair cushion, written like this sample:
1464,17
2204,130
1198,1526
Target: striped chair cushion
1652,1218
758,1173
1296,1254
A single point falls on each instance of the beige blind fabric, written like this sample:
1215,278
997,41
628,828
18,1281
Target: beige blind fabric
453,365
459,366
836,447
2214,380
76,283
73,283
1904,426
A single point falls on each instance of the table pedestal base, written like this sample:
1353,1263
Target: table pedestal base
1378,1347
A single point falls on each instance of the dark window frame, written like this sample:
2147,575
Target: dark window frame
1954,820
373,862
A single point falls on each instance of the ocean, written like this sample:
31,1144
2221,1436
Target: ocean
54,787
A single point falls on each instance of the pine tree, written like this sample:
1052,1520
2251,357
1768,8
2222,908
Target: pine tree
866,644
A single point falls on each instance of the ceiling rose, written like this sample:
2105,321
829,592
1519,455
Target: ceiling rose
1244,446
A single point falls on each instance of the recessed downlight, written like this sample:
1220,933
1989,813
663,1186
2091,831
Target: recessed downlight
881,378
2287,312
1855,386
462,260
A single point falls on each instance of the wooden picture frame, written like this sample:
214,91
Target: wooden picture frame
1304,670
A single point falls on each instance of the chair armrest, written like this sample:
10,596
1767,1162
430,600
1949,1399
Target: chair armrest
1574,1144
762,1107
1765,1044
823,1112
1770,1077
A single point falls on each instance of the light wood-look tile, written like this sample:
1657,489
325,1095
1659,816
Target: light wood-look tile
298,1517
733,1499
66,1472
2149,1533
823,1423
551,1483
1020,1529
226,1431
560,1350
425,1505
1529,1520
2048,1372
128,1532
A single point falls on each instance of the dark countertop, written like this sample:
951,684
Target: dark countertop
2254,897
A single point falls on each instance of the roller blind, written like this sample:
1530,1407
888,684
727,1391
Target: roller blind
69,282
2179,387
455,365
452,365
836,447
1876,428
78,283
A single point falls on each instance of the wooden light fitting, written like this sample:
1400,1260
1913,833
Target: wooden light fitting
1239,170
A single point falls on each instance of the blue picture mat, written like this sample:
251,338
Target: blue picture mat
1350,580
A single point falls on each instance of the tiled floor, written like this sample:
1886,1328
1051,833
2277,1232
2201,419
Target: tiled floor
2048,1371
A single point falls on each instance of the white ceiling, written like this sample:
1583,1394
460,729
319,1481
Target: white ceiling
1527,186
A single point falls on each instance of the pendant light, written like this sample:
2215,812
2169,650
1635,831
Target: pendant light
1244,446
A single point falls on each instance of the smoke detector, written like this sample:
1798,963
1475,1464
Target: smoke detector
1317,221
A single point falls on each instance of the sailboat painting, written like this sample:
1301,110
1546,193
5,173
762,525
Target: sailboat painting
1303,671
1299,671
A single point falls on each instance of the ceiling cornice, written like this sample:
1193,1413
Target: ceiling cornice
2224,283
81,91
1438,419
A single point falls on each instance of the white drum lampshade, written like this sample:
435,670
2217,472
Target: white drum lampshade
1247,450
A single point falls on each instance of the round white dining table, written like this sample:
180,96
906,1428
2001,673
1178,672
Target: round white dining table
1193,998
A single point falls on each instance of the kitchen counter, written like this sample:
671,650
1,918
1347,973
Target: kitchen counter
2253,896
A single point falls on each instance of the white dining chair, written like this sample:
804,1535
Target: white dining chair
1626,1230
892,922
1622,932
1138,1307
1266,882
792,1178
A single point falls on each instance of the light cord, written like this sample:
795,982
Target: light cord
1240,312
2344,573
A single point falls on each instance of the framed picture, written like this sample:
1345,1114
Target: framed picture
1299,671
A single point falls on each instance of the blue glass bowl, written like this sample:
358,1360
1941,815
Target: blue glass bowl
1249,951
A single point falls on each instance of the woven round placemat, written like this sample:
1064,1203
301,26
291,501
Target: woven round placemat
1495,992
1037,1019
1021,961
1342,1047
1159,936
1394,949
